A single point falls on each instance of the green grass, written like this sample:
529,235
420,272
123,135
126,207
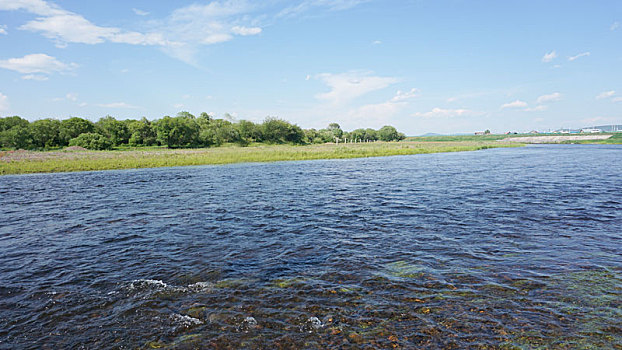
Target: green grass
25,162
615,139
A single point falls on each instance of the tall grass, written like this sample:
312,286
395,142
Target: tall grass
44,162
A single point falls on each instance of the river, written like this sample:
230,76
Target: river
502,247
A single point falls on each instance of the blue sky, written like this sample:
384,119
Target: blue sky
445,66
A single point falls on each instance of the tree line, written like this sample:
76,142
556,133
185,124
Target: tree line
182,131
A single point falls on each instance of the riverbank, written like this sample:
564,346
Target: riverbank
557,139
26,162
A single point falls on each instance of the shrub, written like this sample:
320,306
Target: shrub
91,141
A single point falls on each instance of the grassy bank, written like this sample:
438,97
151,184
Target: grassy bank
24,162
615,139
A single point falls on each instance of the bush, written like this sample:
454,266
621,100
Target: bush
91,141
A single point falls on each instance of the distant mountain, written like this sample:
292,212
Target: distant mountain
430,134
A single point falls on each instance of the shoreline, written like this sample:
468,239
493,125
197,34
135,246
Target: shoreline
31,162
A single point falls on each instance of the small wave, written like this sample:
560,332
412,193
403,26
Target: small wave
200,287
185,320
147,283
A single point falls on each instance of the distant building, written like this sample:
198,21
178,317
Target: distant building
590,131
534,132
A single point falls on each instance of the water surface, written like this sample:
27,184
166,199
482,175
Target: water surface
502,247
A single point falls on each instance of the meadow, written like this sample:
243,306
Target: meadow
25,162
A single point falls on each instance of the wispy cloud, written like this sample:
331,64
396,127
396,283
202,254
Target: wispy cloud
538,108
4,103
556,96
605,94
376,42
37,64
117,105
36,77
378,114
514,104
445,113
140,12
308,5
548,57
617,99
3,29
345,87
614,26
583,54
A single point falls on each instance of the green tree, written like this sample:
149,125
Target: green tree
142,133
279,131
389,133
45,133
182,131
18,137
115,130
8,123
335,129
73,127
249,131
92,141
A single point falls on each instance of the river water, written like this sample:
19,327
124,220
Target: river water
502,247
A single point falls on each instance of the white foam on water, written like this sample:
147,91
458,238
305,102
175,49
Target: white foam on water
147,282
200,287
315,322
185,320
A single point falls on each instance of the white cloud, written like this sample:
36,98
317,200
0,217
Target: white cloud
117,105
245,30
583,54
307,5
548,57
403,96
36,77
3,29
617,99
37,63
614,26
380,113
4,103
556,96
539,108
514,104
140,12
348,86
72,96
444,113
605,94
376,42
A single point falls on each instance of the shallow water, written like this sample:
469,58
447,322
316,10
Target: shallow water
496,248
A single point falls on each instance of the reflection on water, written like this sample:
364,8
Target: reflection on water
516,248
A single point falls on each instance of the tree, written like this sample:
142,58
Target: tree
45,133
73,127
92,141
11,122
142,133
487,132
335,129
18,137
115,130
279,131
389,133
249,131
182,131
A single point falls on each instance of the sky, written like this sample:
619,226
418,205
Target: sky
423,66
